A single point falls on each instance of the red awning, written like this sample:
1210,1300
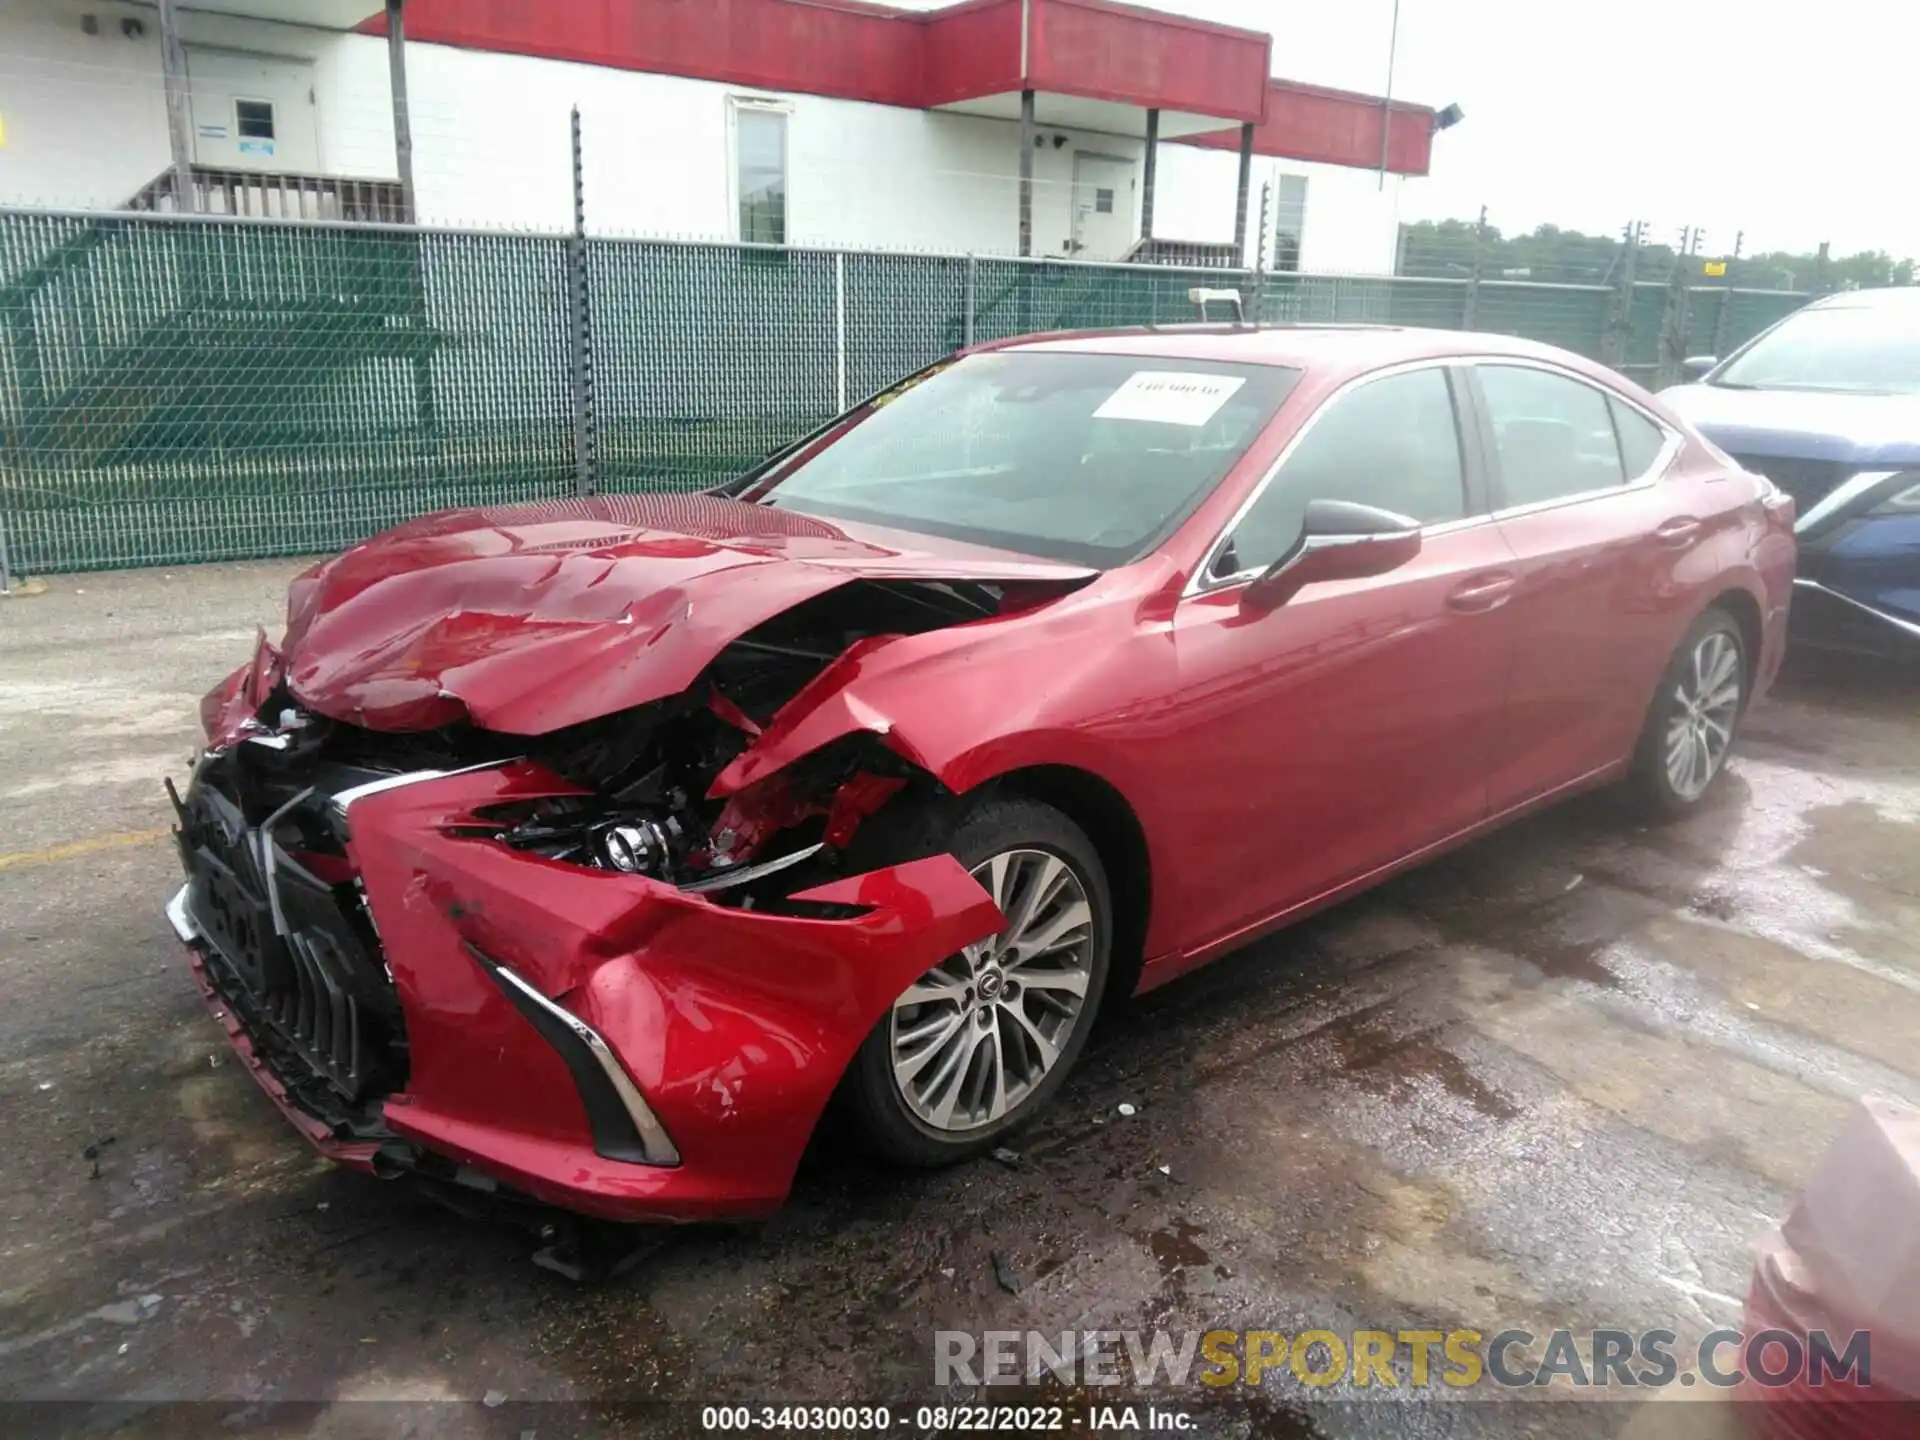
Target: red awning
1335,127
969,56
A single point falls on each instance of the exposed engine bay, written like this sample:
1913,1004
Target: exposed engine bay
645,773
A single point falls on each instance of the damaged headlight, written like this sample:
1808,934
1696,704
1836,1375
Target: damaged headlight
640,848
586,831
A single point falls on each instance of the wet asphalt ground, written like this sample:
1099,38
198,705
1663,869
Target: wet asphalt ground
1565,1077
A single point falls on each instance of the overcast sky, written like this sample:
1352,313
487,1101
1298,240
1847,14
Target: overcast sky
1792,120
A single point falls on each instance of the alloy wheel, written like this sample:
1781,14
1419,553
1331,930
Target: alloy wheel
1706,703
976,1034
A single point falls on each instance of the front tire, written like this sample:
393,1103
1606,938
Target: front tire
1695,715
976,1047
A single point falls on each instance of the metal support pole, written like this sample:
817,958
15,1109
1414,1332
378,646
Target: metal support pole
1261,250
839,333
1470,304
1386,101
966,325
578,156
585,459
1151,168
1613,343
1240,196
402,122
1723,317
1675,315
6,564
173,67
1027,138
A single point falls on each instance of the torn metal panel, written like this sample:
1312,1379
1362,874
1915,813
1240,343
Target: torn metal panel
735,1026
532,620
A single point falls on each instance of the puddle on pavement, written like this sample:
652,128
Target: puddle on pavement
1393,1065
1572,960
1858,849
1176,1250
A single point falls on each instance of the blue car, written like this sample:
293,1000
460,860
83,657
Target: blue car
1826,405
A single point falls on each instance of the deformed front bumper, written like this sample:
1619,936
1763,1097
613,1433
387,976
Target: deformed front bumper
605,1042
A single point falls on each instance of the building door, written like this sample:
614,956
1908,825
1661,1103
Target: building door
253,112
1102,206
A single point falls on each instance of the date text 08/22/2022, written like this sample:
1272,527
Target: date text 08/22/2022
1016,1419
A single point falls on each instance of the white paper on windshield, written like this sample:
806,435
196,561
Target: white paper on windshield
1169,397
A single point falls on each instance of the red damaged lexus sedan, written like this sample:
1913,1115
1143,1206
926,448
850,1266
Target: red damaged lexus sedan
586,851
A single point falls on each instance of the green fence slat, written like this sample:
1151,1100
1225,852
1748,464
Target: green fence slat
183,389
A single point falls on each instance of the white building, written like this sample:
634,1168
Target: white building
810,122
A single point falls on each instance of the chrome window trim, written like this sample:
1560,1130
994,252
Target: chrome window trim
1535,507
1202,583
1646,479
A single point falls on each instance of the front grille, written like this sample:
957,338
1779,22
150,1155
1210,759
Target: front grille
290,950
1807,481
320,1010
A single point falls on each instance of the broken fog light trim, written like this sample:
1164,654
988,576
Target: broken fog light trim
623,1124
181,918
741,874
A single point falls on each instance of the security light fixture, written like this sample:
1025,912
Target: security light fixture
1448,118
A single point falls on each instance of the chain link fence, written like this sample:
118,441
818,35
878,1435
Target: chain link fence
178,388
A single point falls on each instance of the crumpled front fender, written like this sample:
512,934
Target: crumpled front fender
735,1025
226,709
967,703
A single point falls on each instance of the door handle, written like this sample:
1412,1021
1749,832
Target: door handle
1679,533
1481,593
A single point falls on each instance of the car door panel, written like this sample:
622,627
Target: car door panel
1608,580
1351,726
1599,603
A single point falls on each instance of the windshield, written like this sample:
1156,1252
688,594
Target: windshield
1858,349
1089,459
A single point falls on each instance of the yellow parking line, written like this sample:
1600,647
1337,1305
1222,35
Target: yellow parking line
74,849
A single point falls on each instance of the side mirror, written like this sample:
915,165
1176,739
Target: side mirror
1696,366
1339,540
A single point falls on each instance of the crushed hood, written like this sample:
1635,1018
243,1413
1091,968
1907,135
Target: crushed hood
531,618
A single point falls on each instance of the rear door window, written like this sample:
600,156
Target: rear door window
1641,441
1552,434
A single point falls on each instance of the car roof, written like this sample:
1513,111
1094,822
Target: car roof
1353,348
1869,299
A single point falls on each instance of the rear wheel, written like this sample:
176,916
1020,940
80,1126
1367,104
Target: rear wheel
976,1046
1695,714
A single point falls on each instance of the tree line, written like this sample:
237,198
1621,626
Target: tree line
1453,248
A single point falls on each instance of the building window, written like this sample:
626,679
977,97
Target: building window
1103,201
253,119
760,158
1289,221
